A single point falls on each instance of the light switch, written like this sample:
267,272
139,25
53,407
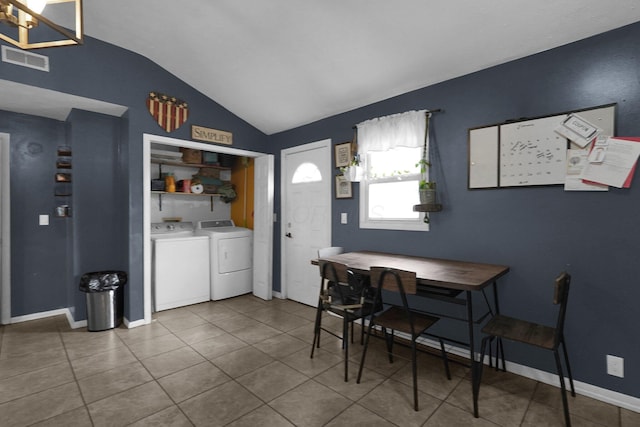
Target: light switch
343,218
44,219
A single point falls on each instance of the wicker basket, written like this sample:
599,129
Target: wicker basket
189,155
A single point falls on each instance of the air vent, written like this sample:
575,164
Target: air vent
25,59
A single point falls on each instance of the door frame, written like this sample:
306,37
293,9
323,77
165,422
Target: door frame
147,140
283,200
5,230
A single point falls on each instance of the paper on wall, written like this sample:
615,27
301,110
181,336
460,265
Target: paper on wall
616,166
576,161
578,130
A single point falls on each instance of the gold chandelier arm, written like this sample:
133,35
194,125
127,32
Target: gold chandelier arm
27,19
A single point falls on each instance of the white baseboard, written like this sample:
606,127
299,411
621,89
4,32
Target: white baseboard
278,295
44,314
133,324
602,394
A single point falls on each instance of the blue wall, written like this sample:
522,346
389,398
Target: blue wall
39,253
537,231
107,73
99,222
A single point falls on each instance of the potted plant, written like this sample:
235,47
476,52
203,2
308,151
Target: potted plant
427,188
353,172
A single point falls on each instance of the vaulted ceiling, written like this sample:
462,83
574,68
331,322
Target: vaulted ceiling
279,64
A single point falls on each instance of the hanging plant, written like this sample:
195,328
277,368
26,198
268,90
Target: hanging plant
353,171
426,188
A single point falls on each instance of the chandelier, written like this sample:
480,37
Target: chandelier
24,23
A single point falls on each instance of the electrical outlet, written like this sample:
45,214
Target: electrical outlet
615,366
343,218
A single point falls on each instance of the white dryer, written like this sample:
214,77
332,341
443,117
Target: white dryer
231,262
180,273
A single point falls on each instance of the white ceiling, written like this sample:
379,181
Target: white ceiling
279,64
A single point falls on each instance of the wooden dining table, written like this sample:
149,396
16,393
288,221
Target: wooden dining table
447,280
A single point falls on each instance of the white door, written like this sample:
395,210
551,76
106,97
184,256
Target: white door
5,237
263,227
306,223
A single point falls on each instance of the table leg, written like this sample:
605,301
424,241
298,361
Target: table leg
499,347
472,356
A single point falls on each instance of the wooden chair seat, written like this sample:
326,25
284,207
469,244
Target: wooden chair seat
550,338
396,318
522,331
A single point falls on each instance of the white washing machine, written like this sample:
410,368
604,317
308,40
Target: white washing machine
180,273
231,258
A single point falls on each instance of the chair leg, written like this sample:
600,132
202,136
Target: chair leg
566,361
414,368
478,377
565,403
364,351
491,355
388,338
500,351
361,330
446,359
316,329
345,342
352,322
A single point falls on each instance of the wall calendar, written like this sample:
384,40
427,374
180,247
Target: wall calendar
531,153
526,152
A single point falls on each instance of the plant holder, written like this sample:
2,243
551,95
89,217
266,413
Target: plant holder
427,189
428,196
353,173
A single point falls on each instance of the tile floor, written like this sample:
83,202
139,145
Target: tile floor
245,362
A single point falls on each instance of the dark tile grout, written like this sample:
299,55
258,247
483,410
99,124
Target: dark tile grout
228,304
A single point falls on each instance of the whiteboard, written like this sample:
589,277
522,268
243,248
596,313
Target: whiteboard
528,151
483,172
532,153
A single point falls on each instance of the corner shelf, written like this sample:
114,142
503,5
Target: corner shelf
63,189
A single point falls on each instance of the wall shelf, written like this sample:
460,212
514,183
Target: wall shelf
180,193
188,165
430,207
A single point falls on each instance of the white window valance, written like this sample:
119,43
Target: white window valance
398,130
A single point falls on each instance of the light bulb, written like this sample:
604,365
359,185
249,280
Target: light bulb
37,5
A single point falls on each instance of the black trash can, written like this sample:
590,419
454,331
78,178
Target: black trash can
105,298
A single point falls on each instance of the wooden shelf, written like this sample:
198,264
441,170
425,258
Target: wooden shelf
180,193
188,165
431,207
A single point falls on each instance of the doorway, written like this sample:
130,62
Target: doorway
306,178
263,206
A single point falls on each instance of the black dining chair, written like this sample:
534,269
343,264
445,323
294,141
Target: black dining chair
345,295
546,337
399,317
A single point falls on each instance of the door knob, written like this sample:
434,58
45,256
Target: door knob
288,235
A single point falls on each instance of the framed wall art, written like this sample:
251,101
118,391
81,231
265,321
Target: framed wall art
343,154
343,188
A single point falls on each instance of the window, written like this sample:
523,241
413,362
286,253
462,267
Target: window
391,148
306,172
